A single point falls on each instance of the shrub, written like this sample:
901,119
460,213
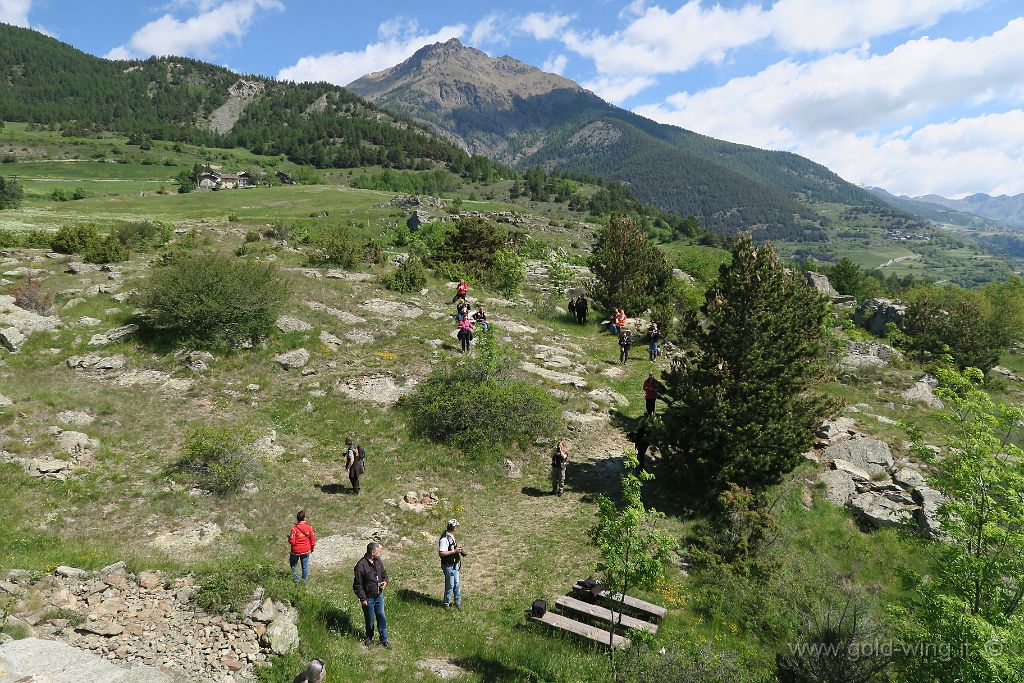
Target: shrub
143,235
233,218
508,272
334,246
631,273
252,236
410,276
107,250
373,251
307,175
79,193
28,294
220,460
75,239
212,300
59,195
480,405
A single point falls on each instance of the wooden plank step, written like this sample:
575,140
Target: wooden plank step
603,613
598,635
648,608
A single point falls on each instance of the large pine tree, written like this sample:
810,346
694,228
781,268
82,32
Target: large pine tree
743,398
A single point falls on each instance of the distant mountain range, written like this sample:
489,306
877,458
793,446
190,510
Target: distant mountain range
518,115
979,211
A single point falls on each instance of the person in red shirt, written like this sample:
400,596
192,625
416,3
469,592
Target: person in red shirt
650,392
302,541
461,290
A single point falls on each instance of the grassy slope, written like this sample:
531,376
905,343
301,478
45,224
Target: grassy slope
523,546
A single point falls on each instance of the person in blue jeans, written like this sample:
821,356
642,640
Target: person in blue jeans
371,578
653,337
451,554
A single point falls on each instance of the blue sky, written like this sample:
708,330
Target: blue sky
916,96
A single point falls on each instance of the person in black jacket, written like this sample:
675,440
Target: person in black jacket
581,309
369,583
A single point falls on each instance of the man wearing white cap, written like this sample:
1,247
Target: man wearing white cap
451,554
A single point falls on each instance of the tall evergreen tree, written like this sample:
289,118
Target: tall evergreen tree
632,273
742,399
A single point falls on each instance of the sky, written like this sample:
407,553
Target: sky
915,96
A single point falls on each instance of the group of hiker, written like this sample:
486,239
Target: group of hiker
619,325
464,322
578,307
370,577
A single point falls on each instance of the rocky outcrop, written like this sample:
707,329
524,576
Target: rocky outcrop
292,360
35,659
875,314
819,281
860,355
923,392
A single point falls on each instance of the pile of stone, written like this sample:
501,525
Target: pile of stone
860,355
147,620
16,323
418,502
864,476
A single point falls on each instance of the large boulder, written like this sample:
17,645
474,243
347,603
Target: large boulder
923,391
33,659
875,314
839,486
282,636
293,359
868,454
881,510
820,282
927,515
864,355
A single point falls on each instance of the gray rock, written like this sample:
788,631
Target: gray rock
391,309
922,392
288,324
50,661
512,469
927,516
605,395
834,430
79,268
875,314
880,510
265,612
76,418
857,473
49,468
820,282
282,637
839,486
556,377
70,572
909,478
11,338
330,341
76,443
864,355
293,359
866,453
115,335
5,402
100,627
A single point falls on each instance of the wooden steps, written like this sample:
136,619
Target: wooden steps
604,614
646,608
598,635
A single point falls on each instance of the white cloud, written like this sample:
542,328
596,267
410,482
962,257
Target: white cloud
555,64
617,89
216,23
544,26
398,41
489,31
833,108
15,12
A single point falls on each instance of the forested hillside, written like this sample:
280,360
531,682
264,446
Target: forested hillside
46,81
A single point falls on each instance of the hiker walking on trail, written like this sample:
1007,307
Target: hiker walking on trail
653,337
355,457
465,335
371,578
651,387
302,540
451,554
559,463
642,440
625,343
581,309
461,290
480,317
461,310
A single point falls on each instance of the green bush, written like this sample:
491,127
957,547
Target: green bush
75,239
373,251
107,250
508,272
212,300
220,460
410,276
334,246
252,236
143,235
59,195
480,405
79,193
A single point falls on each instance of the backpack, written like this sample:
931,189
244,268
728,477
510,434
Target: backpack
361,452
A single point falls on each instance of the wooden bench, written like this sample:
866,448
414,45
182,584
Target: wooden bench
604,614
598,635
648,609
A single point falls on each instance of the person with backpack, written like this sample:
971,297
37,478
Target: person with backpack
461,310
625,343
369,582
581,309
461,290
451,554
301,541
572,307
651,387
465,335
559,463
355,457
653,337
480,317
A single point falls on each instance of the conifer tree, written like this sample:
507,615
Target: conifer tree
632,273
742,399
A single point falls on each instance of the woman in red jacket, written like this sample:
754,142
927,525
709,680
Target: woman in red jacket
302,541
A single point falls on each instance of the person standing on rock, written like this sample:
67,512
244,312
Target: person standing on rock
625,344
302,541
354,457
581,309
465,335
650,392
451,554
369,582
559,463
461,290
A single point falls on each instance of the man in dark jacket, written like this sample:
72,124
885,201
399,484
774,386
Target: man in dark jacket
369,583
354,458
581,309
